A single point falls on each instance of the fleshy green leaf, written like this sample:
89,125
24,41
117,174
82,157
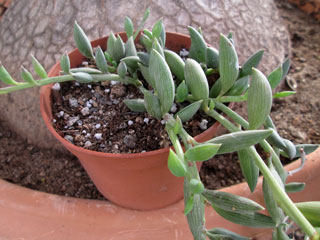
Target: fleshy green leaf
148,33
82,41
164,85
274,211
186,113
239,87
275,77
82,77
26,76
227,233
182,92
131,62
146,75
6,77
152,104
122,69
252,62
189,205
276,140
283,94
249,169
215,89
212,58
259,100
175,63
230,202
144,19
228,64
65,63
177,128
162,37
240,140
281,234
118,50
130,49
198,46
196,186
144,58
202,152
38,68
136,105
146,42
290,148
85,70
110,43
294,187
307,148
255,220
176,165
196,81
156,46
128,26
285,68
101,61
156,30
311,210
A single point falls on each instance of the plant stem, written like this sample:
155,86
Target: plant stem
282,198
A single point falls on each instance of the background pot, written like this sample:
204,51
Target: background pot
29,214
140,180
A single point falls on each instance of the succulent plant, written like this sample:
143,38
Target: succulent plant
170,79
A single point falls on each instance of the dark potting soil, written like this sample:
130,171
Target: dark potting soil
296,118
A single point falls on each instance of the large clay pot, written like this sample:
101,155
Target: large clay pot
138,181
29,214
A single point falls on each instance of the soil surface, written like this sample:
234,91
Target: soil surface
296,118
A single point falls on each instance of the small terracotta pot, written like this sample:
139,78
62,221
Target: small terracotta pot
139,181
29,214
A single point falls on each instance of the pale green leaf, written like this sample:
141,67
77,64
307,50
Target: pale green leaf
182,92
38,68
202,152
130,48
82,41
128,26
252,62
275,77
101,61
198,46
176,165
175,63
136,105
249,169
65,63
294,187
6,77
212,58
186,113
152,104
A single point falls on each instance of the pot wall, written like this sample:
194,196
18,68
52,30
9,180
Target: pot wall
137,181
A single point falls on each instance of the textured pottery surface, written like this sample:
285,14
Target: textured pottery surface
44,28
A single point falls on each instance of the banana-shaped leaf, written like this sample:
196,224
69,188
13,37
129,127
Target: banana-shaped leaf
177,127
162,37
128,26
146,42
202,152
249,169
131,62
198,46
290,149
157,28
239,140
82,41
307,148
182,92
186,113
239,87
85,70
130,48
176,165
152,104
228,64
82,77
38,68
144,19
283,94
259,100
189,206
118,50
218,236
212,58
144,58
276,140
101,61
281,234
294,187
156,46
122,69
215,89
252,62
285,68
6,77
230,202
255,220
227,233
175,63
275,77
164,85
273,209
27,77
110,43
196,81
196,186
136,105
146,75
311,210
148,33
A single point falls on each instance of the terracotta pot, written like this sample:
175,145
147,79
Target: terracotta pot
139,181
29,214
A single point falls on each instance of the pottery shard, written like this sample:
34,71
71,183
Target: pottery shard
255,25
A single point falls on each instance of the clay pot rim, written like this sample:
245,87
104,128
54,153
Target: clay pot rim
46,115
